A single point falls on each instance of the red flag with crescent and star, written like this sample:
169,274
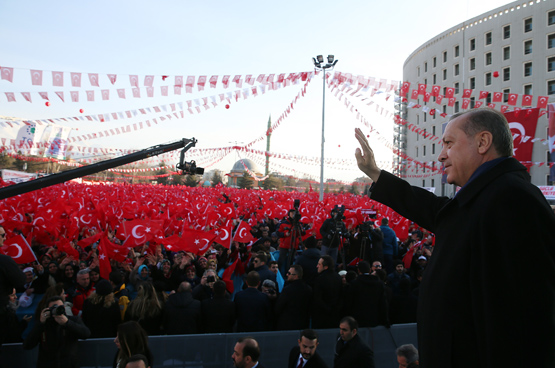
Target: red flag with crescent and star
18,248
243,233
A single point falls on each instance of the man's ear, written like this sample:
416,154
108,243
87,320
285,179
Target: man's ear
484,141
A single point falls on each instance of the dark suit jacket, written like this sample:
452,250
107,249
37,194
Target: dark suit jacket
292,309
315,361
182,314
472,288
365,301
354,353
327,300
218,315
253,310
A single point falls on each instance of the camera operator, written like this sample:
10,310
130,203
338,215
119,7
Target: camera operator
288,229
57,336
373,244
332,230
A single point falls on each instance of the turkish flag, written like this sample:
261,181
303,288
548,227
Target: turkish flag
477,104
64,245
435,90
439,98
421,89
223,235
427,96
197,241
18,248
243,233
449,92
466,103
226,276
467,93
483,94
513,97
227,210
542,102
523,129
497,96
138,232
405,88
451,101
104,260
414,94
526,100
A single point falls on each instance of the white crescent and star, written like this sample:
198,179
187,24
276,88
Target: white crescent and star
134,232
226,234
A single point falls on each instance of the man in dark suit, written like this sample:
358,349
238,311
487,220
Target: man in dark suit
252,306
246,353
305,355
218,314
309,260
182,314
497,218
292,307
365,298
259,263
326,301
350,349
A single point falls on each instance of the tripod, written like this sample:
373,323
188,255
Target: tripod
296,234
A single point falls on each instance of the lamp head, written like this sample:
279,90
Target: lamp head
320,58
330,59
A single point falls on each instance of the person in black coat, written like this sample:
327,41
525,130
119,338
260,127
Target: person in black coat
101,312
259,263
308,260
182,313
10,277
292,309
365,298
350,349
56,335
218,314
498,221
252,307
326,301
305,352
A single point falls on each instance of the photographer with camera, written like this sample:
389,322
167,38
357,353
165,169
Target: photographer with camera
290,232
57,336
371,242
332,230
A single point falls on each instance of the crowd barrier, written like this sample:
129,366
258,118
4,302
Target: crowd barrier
214,350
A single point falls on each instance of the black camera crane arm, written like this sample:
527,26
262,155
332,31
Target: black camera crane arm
46,181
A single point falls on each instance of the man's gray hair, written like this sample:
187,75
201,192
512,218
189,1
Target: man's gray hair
490,120
409,352
84,271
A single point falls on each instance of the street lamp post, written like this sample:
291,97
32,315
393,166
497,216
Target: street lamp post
318,65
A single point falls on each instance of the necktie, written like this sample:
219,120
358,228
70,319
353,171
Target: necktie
300,364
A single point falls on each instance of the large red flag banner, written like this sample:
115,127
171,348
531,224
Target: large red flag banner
523,128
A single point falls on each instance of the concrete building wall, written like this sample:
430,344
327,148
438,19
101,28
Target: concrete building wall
466,56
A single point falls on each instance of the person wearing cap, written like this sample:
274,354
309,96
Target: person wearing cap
101,312
34,284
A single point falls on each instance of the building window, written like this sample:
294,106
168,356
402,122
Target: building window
434,79
506,92
418,71
472,102
488,99
488,79
472,83
424,151
472,44
416,151
507,32
456,107
488,58
528,69
444,56
456,51
433,127
456,69
551,41
425,67
426,81
433,148
551,64
457,88
506,53
472,63
551,18
528,89
528,25
488,38
506,74
434,61
432,185
551,87
527,47
444,74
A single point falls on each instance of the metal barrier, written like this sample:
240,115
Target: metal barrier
214,350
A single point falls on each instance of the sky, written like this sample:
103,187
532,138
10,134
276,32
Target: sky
179,37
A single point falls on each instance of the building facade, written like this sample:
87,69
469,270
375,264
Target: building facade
510,49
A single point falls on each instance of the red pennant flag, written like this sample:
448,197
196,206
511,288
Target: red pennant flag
197,241
467,93
18,248
226,276
449,92
104,260
421,89
542,102
497,96
512,99
483,94
223,236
